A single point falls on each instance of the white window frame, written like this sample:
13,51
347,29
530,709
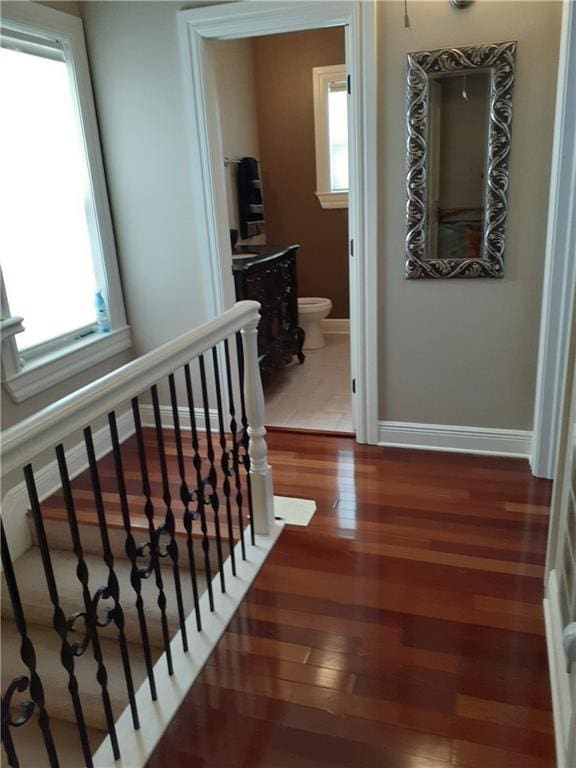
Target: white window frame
321,78
25,374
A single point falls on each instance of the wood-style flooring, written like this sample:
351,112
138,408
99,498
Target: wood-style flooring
402,629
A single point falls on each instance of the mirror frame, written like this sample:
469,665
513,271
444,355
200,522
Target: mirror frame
499,59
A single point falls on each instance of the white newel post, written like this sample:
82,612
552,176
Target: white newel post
260,470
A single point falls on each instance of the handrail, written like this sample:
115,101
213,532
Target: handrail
57,421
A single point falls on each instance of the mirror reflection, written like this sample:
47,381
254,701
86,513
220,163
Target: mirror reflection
458,142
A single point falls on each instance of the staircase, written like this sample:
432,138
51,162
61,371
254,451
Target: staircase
135,562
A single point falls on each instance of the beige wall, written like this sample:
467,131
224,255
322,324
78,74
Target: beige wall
67,6
454,352
234,69
465,352
283,67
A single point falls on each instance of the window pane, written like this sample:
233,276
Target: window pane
338,130
46,254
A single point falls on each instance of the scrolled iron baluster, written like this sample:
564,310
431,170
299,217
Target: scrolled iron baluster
169,525
90,619
59,620
186,498
200,490
235,451
212,478
28,656
26,708
152,533
112,589
245,440
131,550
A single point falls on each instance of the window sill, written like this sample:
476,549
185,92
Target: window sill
333,199
47,370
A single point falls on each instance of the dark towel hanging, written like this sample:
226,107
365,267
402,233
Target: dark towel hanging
250,207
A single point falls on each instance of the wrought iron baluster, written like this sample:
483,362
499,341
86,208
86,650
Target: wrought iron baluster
245,440
235,451
186,498
131,550
212,478
28,656
153,543
227,472
169,525
90,602
115,614
61,624
200,489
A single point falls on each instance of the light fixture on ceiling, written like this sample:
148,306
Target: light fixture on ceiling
460,3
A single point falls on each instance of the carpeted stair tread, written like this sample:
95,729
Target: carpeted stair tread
38,608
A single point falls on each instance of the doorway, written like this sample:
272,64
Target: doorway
247,20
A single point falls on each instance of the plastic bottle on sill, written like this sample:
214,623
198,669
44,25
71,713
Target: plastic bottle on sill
102,319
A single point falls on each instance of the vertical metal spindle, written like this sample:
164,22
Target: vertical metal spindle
169,525
89,603
28,656
200,489
59,620
152,533
235,452
131,550
245,440
116,614
186,498
212,474
224,460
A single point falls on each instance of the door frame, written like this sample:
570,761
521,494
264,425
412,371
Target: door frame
560,266
246,19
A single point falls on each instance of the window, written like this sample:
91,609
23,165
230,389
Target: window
56,235
331,134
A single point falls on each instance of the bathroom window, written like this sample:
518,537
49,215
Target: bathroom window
331,135
57,246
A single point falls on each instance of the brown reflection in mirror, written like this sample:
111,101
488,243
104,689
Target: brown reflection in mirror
458,134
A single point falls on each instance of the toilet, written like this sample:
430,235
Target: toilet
311,311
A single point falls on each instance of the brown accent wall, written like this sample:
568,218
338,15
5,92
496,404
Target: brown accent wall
284,99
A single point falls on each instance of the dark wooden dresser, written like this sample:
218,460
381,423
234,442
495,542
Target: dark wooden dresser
270,278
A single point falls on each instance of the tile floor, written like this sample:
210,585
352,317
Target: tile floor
316,394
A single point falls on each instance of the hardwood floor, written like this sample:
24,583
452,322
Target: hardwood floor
402,629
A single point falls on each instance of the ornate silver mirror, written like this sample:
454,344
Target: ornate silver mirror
459,120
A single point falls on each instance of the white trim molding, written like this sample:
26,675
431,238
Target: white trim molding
167,418
322,79
246,19
136,746
455,439
560,266
43,372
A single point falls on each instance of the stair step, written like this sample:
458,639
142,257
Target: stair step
55,678
58,533
31,751
38,608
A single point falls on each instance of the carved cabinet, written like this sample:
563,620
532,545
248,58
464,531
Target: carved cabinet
268,275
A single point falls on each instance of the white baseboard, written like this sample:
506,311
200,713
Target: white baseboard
440,437
335,325
147,415
155,716
15,503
